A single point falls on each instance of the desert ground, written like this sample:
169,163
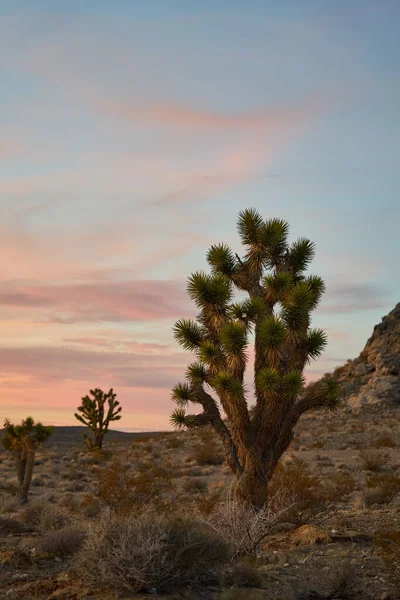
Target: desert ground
332,529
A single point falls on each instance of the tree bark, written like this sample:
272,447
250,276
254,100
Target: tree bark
19,465
24,489
98,440
252,487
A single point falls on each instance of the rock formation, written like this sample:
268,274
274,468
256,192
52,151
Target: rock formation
374,377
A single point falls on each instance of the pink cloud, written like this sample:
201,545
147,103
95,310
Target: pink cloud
139,300
182,116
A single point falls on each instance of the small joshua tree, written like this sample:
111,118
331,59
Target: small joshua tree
22,441
277,315
97,417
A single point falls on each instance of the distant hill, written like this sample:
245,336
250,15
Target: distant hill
73,436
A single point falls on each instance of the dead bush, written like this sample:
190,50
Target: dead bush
44,517
61,543
8,525
147,552
295,492
244,528
373,461
381,489
208,454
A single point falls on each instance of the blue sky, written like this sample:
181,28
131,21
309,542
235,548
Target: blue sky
131,135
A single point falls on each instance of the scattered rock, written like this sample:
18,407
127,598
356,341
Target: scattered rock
307,535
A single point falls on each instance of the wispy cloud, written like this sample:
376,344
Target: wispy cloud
353,298
138,300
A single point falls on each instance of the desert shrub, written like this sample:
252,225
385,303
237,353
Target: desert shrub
208,454
69,502
173,443
90,506
381,489
206,434
388,543
317,445
373,461
10,488
339,583
75,486
206,503
147,552
8,525
128,491
385,441
295,492
37,481
8,504
20,557
63,542
244,528
242,574
339,486
44,517
195,485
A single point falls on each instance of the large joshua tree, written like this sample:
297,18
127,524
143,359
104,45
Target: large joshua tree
97,416
277,315
22,441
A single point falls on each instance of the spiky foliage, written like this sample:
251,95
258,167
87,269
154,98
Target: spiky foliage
97,416
22,441
278,313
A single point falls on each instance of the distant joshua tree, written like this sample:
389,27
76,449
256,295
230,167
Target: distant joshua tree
22,441
97,416
277,313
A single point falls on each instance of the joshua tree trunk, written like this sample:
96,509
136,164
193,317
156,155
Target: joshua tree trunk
19,465
98,439
24,488
252,486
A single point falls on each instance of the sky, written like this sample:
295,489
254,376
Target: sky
132,134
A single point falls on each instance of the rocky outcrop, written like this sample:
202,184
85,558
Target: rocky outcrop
374,377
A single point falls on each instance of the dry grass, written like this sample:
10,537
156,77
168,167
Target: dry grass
150,553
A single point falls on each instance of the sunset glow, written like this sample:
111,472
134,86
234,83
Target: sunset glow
131,135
